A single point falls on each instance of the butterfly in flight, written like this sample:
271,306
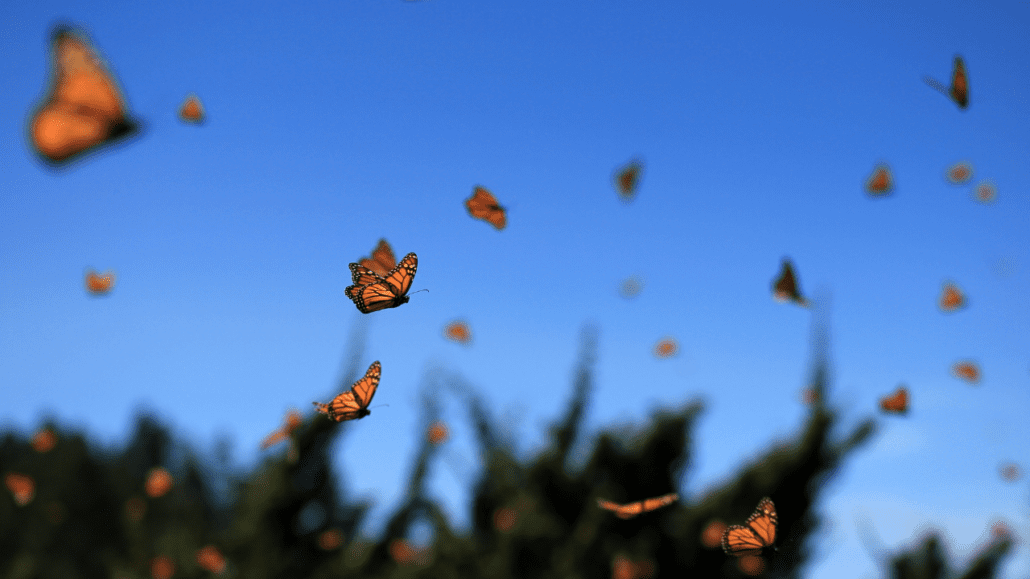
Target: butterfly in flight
666,348
985,192
633,509
896,403
84,108
757,533
959,174
785,286
372,292
880,182
381,261
483,205
293,420
959,89
951,298
353,404
627,178
98,284
967,371
458,331
192,111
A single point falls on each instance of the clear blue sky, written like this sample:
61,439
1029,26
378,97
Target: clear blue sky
339,123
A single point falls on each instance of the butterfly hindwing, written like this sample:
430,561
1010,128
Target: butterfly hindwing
353,403
756,534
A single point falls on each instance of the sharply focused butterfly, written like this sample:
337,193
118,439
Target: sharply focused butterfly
483,205
951,298
785,286
192,111
627,178
967,371
371,292
959,174
98,284
381,261
353,403
633,509
84,108
880,182
959,89
896,403
758,532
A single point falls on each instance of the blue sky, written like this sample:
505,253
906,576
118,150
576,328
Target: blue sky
335,125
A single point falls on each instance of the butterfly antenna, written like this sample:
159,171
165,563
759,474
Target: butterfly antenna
421,290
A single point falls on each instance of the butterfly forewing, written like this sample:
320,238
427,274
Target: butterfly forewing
361,275
757,533
388,292
353,403
633,509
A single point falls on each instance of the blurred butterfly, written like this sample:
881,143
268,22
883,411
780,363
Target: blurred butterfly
353,404
959,174
633,509
22,487
458,332
785,286
483,205
192,111
880,182
666,348
896,403
631,286
381,261
293,420
959,89
967,371
627,178
98,284
437,433
371,292
211,559
951,298
84,108
985,192
757,533
1010,472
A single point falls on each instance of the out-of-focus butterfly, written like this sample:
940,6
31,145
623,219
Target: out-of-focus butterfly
757,533
437,433
967,371
162,567
625,568
84,108
483,205
785,286
371,292
627,178
192,110
159,482
211,559
381,261
44,440
666,348
353,404
985,192
959,174
458,331
99,284
881,181
896,403
631,286
951,298
959,89
293,420
22,487
633,509
1010,471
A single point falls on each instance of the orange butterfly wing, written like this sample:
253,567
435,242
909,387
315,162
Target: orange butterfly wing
757,533
896,403
382,260
84,109
951,298
98,284
459,332
192,111
361,276
483,205
627,178
785,286
388,292
633,509
353,404
959,84
881,182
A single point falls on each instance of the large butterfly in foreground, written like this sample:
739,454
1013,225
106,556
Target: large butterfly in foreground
372,292
84,108
757,533
483,205
353,404
959,89
633,509
785,286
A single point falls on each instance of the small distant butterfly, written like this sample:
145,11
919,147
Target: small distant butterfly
293,420
211,559
967,371
896,403
985,192
633,509
666,348
880,182
1010,472
371,292
98,284
785,286
22,487
959,89
631,286
951,298
192,111
381,261
959,174
458,331
627,179
438,432
353,404
84,108
757,533
483,205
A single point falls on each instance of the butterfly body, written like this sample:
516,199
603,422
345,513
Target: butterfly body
353,404
372,292
756,534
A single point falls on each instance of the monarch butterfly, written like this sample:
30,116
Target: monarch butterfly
483,205
380,293
192,111
353,404
211,559
458,332
98,284
84,108
627,178
967,371
985,192
44,440
666,348
881,181
1010,472
159,481
381,261
951,298
437,432
293,420
785,286
633,509
757,532
22,487
896,403
959,89
959,174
